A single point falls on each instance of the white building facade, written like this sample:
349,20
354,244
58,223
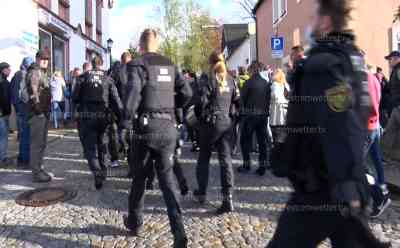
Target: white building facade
243,54
241,57
71,31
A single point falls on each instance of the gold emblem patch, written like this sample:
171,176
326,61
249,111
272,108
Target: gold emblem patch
339,97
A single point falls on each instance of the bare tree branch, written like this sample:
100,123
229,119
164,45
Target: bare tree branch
248,11
247,6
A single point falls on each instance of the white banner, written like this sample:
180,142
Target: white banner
19,32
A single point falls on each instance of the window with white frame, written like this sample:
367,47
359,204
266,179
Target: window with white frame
279,10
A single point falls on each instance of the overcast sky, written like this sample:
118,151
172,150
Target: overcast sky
129,17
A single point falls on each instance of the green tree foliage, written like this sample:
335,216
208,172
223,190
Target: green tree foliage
190,34
134,52
172,29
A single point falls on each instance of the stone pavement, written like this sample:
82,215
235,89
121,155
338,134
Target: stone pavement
94,218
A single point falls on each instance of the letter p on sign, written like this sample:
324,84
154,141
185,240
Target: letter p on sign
277,44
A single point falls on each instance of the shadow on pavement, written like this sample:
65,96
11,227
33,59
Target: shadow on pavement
37,234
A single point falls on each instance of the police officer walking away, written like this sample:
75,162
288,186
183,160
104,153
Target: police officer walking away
95,93
220,98
37,95
324,161
119,75
155,88
255,100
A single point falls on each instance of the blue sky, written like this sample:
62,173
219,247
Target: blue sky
129,17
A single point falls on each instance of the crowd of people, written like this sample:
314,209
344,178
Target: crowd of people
313,122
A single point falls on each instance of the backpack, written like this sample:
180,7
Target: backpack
23,93
18,88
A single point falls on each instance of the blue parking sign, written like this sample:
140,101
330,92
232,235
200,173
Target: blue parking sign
277,46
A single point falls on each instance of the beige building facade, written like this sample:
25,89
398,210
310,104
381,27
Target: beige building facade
372,20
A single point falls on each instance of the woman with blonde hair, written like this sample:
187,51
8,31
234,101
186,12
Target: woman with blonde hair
279,103
57,86
219,99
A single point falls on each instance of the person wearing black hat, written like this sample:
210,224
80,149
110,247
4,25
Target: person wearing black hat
39,98
390,141
5,111
394,82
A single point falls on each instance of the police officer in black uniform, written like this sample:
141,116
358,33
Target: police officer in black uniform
219,106
119,75
255,100
112,130
94,94
155,88
323,152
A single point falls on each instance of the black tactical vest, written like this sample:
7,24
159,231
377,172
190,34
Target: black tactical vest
223,98
159,91
93,87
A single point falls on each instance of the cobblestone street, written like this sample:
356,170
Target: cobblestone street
94,218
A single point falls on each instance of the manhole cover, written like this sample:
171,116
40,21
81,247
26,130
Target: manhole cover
45,197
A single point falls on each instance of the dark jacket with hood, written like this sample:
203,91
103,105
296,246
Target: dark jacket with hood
256,95
15,86
5,103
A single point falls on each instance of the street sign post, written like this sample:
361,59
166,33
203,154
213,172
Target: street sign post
277,46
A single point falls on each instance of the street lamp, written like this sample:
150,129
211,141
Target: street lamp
110,43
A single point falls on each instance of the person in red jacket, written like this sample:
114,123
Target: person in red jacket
381,194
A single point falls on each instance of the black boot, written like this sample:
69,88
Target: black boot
261,170
99,178
98,182
149,185
227,205
180,241
134,230
245,168
201,198
184,188
264,166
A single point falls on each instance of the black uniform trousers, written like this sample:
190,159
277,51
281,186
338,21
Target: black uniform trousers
250,125
155,141
219,135
177,169
309,219
192,134
91,134
113,141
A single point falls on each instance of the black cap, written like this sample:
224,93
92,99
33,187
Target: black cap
43,55
393,54
4,65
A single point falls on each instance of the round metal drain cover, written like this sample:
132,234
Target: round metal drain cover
45,197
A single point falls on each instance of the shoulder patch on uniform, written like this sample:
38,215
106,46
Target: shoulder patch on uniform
339,97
